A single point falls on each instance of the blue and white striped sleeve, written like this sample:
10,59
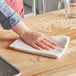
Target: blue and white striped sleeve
8,17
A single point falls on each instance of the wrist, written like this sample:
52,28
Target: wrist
21,29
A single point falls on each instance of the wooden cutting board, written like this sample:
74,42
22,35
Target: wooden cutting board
52,23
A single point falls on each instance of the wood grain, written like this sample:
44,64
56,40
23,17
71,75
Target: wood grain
52,23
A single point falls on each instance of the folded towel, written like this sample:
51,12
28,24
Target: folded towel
62,41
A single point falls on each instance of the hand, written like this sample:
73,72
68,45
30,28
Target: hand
35,39
38,41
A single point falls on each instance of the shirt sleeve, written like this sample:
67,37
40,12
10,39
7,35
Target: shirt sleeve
8,17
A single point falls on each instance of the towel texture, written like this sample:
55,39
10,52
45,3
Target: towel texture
62,41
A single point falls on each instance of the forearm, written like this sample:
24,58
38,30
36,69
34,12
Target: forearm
21,28
8,17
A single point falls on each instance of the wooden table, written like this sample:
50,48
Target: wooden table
52,23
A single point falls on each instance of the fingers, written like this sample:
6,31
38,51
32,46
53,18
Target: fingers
35,46
48,44
45,43
42,45
51,41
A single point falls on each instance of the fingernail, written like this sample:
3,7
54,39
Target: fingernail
56,44
54,47
48,48
40,49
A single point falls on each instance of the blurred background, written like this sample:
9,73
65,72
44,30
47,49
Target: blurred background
40,6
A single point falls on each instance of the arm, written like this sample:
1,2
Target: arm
9,19
33,38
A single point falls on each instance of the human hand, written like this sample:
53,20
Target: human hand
35,39
38,41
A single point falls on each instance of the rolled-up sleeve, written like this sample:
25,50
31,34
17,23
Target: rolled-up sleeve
8,17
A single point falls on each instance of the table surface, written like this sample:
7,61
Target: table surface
52,23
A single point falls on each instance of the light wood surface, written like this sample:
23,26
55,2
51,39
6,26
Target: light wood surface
52,23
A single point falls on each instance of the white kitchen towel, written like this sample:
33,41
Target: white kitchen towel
62,41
